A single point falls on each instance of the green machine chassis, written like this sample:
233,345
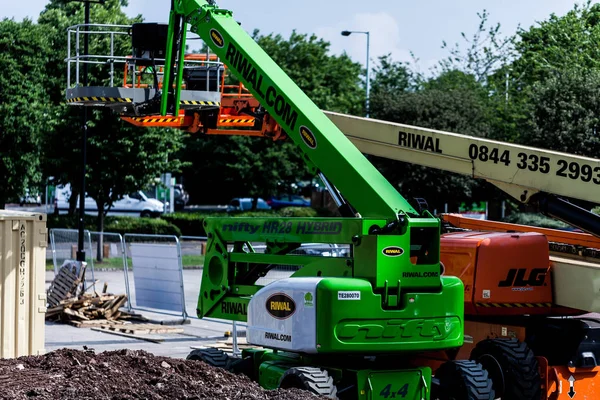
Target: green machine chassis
406,306
372,348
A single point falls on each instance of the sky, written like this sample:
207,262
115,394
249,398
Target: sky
398,27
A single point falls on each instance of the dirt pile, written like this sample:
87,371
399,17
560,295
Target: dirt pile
126,374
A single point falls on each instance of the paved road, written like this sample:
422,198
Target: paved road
196,333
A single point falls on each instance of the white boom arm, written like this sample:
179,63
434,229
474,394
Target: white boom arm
520,171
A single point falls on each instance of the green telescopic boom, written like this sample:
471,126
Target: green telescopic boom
320,140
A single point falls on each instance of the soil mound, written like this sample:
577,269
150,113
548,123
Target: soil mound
126,374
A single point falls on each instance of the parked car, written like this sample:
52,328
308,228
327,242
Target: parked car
181,197
30,198
288,200
245,204
135,204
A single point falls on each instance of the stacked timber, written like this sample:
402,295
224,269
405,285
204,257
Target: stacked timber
89,309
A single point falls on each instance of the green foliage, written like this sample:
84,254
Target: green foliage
453,102
390,76
300,212
24,111
532,219
559,43
564,113
255,167
121,158
190,224
332,82
152,226
122,225
487,51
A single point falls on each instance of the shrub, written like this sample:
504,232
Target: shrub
300,212
532,219
150,226
122,225
190,224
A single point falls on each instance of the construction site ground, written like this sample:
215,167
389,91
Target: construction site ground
196,332
86,363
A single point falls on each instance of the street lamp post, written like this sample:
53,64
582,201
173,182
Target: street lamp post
86,43
348,33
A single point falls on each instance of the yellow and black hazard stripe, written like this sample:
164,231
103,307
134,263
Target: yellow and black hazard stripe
98,98
513,305
156,120
199,103
236,121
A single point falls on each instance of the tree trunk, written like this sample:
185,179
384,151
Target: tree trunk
100,250
73,201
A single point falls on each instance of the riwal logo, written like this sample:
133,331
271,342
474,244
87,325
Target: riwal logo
280,306
392,251
397,330
308,137
217,38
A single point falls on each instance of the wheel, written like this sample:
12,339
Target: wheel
512,366
216,358
145,214
314,380
462,380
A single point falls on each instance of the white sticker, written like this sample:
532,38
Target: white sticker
348,295
486,294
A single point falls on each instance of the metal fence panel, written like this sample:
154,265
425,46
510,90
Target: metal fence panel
112,250
157,271
64,243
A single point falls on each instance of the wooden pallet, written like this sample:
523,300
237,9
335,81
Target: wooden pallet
94,323
63,286
137,329
227,345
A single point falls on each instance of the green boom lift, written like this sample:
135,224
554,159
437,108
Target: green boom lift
369,325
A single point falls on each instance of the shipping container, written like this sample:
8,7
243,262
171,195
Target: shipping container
23,242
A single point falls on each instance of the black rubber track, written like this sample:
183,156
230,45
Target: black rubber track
214,357
315,380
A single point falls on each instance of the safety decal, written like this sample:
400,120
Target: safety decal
96,98
513,305
200,103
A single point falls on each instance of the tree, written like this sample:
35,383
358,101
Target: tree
24,111
250,166
559,43
332,82
487,51
121,159
454,102
390,77
564,115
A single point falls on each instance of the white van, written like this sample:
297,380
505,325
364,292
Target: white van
134,204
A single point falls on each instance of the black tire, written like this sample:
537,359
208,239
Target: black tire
512,367
462,380
145,214
314,380
214,357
